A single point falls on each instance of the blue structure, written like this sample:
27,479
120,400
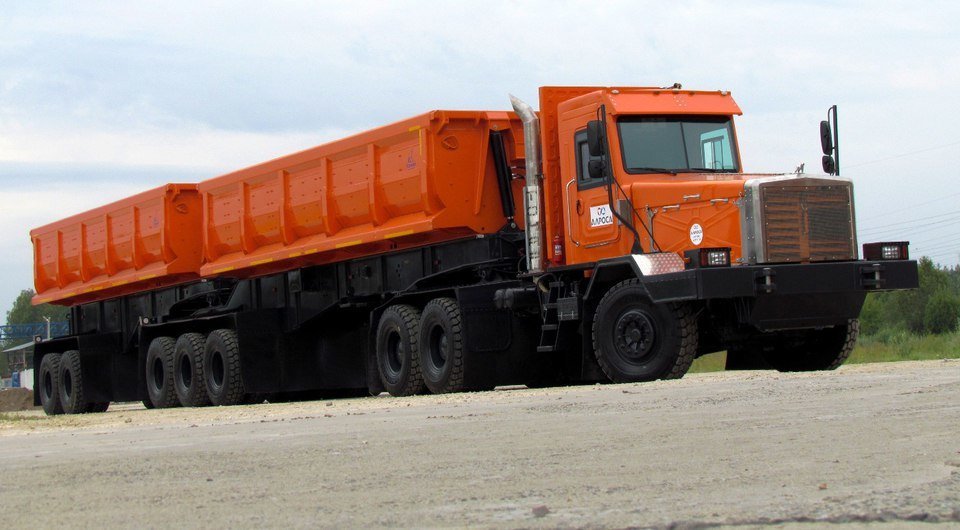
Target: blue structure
29,331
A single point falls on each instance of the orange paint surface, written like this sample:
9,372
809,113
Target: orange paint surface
138,243
423,180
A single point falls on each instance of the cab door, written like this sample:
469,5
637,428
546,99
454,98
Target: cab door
593,232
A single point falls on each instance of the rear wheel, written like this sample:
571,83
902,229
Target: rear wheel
441,346
160,373
398,352
188,379
637,340
221,368
818,349
50,384
71,384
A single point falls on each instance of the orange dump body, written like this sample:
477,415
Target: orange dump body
141,242
420,181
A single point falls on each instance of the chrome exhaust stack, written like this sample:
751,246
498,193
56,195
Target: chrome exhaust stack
531,191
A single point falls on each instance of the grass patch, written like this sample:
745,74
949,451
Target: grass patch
712,362
904,346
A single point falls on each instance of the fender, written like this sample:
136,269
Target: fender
669,287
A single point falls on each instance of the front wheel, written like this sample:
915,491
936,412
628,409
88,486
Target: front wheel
637,340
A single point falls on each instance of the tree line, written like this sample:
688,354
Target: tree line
934,308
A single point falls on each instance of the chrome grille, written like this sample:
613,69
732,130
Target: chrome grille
805,221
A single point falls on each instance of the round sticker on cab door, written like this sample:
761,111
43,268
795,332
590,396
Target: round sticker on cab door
696,234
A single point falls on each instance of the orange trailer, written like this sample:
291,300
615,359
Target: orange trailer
424,180
611,236
139,243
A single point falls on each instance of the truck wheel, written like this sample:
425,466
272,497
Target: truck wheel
821,349
160,373
188,380
398,354
636,340
221,368
50,384
71,384
441,346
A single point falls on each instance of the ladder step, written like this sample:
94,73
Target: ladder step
550,305
545,349
550,327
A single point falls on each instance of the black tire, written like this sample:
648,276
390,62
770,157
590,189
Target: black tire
221,368
159,373
71,384
637,340
188,380
49,384
147,404
441,346
819,349
398,352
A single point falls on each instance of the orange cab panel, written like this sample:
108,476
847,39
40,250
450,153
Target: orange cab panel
423,180
144,241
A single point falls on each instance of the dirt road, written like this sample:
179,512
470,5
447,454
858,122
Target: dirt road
867,446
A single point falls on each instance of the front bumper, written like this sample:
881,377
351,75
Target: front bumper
785,296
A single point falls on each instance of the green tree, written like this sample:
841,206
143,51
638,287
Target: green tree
941,313
23,312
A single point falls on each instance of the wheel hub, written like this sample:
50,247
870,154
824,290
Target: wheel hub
634,335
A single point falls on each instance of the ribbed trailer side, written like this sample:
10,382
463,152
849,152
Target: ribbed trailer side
423,180
139,243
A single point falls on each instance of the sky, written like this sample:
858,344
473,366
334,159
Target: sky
99,100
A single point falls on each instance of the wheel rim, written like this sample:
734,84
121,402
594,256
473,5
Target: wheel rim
186,371
218,369
396,351
158,374
439,347
634,336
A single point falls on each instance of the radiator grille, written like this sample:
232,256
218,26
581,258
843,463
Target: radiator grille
807,223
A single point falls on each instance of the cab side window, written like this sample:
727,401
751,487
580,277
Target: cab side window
583,162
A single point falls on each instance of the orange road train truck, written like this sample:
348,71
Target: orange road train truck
611,236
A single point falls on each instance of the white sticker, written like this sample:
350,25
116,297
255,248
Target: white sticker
696,234
601,215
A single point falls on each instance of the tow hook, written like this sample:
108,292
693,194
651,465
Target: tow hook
764,280
870,277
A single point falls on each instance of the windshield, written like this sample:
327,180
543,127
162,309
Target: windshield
655,144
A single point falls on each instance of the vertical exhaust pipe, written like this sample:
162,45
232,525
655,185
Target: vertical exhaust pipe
531,191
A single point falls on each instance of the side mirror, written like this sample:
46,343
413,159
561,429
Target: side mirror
595,169
826,138
829,166
595,137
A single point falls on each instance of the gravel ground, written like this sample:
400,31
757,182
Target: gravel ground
867,446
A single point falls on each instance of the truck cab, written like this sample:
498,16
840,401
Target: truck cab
645,200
